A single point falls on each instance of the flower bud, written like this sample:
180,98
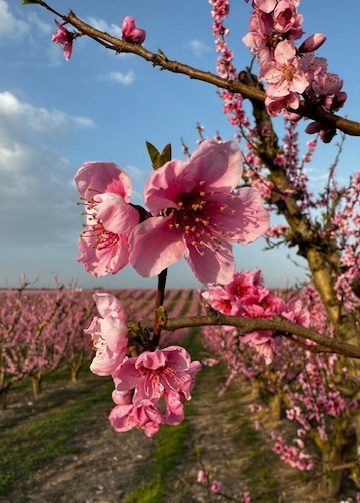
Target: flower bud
130,33
312,43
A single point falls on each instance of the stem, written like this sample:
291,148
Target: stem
160,297
161,288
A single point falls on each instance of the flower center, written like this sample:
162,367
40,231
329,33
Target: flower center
195,217
288,72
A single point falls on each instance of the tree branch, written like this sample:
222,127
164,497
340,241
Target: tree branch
235,86
247,325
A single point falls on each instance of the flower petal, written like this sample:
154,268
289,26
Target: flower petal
154,246
214,266
108,305
164,186
244,217
219,164
116,215
98,177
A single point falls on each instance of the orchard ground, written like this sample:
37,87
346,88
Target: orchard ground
63,449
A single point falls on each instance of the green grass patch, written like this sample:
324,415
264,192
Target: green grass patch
261,483
170,443
31,445
150,491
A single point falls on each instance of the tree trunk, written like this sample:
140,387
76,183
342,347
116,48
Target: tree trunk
331,481
275,403
75,374
36,386
3,398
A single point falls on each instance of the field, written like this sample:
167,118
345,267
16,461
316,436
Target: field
61,447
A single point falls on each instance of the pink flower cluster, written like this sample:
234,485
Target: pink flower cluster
291,72
300,382
295,456
247,296
224,65
196,212
143,384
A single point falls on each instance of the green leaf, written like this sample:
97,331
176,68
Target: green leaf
158,159
166,154
153,153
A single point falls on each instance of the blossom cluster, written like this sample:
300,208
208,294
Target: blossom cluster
39,331
290,71
195,212
247,296
150,389
345,228
294,455
224,65
301,383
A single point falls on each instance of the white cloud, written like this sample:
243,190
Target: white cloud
102,25
10,26
24,120
37,200
197,47
125,79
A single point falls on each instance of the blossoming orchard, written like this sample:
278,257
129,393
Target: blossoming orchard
294,351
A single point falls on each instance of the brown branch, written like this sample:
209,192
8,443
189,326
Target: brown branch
235,86
247,325
160,309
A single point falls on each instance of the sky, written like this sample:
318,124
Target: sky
55,115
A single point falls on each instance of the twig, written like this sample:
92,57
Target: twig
235,86
248,325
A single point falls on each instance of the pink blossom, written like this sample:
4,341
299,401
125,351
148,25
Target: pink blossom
174,407
130,33
258,39
286,18
326,83
295,311
277,105
222,301
104,244
245,285
265,5
246,497
312,43
199,214
124,417
284,74
263,343
153,373
215,486
201,477
109,334
65,38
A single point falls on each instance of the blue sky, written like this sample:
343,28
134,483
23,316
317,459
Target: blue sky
54,115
